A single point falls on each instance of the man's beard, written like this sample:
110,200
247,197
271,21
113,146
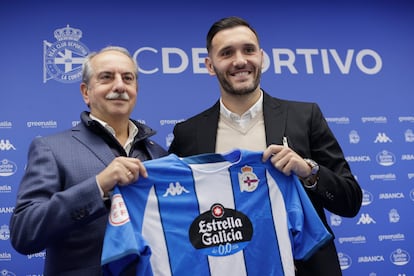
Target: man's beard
229,88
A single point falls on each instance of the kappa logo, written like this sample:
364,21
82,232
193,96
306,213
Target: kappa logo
6,145
365,219
62,60
174,190
382,138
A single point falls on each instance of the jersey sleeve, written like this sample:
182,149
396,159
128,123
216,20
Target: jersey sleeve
308,231
118,255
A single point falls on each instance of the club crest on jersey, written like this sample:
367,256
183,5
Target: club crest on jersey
220,231
119,212
248,180
62,59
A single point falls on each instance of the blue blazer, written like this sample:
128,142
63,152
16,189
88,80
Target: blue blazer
309,135
59,207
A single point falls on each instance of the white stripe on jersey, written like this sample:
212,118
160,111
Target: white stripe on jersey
153,231
212,188
281,226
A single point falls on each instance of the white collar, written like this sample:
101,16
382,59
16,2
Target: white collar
246,116
132,130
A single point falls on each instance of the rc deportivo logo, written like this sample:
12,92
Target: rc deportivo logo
62,60
248,180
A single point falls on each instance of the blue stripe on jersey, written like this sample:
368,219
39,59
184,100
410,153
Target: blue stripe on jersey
178,208
257,203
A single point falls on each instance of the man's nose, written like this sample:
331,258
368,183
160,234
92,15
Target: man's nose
119,84
239,59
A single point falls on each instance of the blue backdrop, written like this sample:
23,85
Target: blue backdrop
354,58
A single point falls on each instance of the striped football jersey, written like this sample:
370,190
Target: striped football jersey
211,214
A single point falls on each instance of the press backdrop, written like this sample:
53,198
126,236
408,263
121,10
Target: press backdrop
355,58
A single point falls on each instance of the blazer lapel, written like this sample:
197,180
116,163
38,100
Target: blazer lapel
275,118
207,133
94,143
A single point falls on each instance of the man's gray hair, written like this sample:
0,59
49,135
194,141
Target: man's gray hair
87,70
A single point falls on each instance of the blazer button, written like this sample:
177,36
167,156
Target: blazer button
80,214
329,196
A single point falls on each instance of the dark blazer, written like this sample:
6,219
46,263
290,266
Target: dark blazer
309,135
59,207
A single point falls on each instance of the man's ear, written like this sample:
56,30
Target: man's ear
84,91
209,66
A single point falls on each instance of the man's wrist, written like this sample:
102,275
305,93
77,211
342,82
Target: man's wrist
104,195
311,181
